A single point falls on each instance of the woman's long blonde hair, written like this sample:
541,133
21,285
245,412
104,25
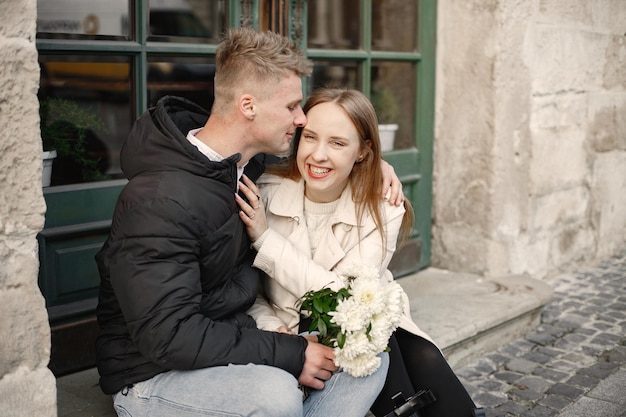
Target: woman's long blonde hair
366,176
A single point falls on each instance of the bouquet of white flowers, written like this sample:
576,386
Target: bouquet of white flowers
357,320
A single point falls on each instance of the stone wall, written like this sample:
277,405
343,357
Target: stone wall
27,387
530,134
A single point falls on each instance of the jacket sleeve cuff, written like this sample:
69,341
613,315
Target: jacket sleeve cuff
290,343
256,245
263,260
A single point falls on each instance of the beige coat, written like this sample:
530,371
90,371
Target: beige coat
284,253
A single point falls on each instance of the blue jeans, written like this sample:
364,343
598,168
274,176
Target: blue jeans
248,390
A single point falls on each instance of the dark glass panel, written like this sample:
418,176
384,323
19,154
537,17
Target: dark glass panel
187,20
86,113
335,74
393,96
334,24
83,19
394,25
189,77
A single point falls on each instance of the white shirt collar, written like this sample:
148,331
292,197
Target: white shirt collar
207,151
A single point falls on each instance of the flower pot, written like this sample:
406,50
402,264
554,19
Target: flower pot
387,135
48,157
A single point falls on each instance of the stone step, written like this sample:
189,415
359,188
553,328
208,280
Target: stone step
468,315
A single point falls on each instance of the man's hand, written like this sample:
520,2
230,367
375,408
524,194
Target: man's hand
318,365
391,189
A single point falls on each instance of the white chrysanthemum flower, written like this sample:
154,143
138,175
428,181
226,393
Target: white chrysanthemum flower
350,316
361,272
362,365
393,294
369,294
357,344
382,327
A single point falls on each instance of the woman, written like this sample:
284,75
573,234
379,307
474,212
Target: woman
323,214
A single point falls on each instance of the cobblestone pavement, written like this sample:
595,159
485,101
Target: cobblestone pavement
573,364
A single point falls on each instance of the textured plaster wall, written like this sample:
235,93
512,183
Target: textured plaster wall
530,134
27,387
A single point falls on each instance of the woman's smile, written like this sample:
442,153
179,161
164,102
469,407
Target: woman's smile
318,172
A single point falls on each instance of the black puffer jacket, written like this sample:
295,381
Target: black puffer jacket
175,271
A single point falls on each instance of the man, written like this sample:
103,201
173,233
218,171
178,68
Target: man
176,275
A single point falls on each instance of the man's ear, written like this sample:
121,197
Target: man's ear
246,106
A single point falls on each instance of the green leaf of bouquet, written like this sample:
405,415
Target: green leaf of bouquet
321,326
318,305
341,340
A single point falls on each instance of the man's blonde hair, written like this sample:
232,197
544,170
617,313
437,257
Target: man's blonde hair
247,58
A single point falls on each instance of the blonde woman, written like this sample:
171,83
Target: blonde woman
322,213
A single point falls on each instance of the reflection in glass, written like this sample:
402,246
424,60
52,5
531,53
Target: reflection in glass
83,19
187,20
85,113
334,24
394,25
335,74
187,77
393,96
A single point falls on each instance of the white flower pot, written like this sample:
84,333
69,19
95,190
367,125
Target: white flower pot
387,134
48,157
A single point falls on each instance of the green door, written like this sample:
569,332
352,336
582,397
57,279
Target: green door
104,62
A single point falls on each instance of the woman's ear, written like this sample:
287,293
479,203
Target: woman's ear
364,151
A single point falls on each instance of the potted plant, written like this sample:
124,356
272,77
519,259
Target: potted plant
48,158
69,131
387,110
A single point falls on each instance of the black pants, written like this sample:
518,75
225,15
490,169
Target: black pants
415,364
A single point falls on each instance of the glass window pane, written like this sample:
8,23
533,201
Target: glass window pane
83,19
393,96
334,24
86,113
394,25
335,74
187,20
187,77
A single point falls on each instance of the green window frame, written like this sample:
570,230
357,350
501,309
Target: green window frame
413,163
79,215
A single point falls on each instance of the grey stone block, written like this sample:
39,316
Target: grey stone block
527,394
534,383
537,357
566,390
583,381
521,365
509,377
556,402
488,400
551,374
